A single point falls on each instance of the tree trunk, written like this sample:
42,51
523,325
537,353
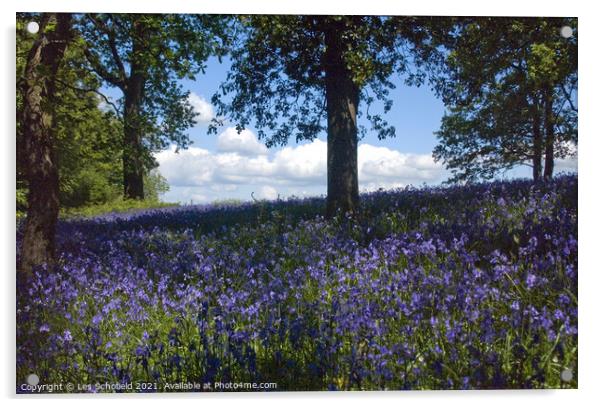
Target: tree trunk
133,153
133,168
37,123
549,131
342,98
537,146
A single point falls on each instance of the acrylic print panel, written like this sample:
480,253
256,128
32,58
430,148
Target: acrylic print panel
231,203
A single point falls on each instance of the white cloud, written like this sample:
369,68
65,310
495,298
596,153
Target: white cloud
245,142
375,186
268,192
305,163
196,197
191,167
390,167
203,108
236,170
570,163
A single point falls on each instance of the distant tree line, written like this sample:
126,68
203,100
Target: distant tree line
509,86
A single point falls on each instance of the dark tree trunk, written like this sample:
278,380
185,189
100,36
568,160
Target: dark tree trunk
342,98
537,146
133,154
549,130
133,166
37,122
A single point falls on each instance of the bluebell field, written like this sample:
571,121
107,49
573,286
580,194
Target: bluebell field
467,287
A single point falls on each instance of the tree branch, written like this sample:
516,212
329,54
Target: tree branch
112,45
92,90
99,70
568,98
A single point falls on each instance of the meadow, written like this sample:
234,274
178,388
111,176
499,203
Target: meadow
462,287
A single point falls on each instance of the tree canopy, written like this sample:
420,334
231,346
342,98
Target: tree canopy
145,56
297,76
277,80
87,131
509,85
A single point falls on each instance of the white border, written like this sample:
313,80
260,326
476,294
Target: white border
589,181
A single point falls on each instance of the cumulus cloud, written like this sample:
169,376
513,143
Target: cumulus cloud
305,163
191,167
268,192
244,143
203,108
243,165
391,167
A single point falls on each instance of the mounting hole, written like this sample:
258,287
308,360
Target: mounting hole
33,379
566,375
33,27
566,32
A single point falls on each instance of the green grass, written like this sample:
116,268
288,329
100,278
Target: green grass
118,206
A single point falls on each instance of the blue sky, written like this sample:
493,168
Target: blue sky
416,112
236,166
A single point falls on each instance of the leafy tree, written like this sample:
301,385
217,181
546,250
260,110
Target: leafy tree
510,86
144,55
89,155
88,136
156,185
38,131
300,75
